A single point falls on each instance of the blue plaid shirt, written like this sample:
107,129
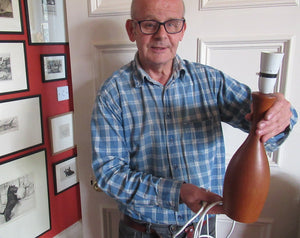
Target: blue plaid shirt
148,138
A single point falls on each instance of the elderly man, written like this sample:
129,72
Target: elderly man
158,148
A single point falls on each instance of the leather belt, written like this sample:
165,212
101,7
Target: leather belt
146,228
138,226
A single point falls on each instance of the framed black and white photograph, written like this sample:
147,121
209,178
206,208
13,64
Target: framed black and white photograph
10,17
53,67
24,197
20,124
65,174
13,67
47,21
61,132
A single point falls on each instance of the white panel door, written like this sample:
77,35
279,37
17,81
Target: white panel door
225,34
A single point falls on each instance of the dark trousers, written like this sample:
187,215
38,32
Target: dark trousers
160,231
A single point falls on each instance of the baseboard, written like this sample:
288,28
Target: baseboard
74,231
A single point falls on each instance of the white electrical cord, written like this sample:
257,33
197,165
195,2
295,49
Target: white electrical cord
231,230
202,213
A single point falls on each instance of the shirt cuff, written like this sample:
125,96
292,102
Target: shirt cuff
169,193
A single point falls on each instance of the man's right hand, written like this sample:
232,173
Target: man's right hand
194,197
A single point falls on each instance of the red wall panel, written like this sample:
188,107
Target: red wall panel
65,207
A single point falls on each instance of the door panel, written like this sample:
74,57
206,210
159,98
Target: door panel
244,54
110,57
225,34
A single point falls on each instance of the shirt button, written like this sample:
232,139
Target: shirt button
171,140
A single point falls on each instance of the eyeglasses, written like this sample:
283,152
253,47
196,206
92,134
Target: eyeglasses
150,27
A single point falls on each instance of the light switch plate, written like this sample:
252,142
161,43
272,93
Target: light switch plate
62,93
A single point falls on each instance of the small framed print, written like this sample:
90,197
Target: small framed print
24,179
65,174
46,21
10,17
20,124
61,132
53,67
13,67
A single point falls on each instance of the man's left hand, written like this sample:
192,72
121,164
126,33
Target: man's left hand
276,119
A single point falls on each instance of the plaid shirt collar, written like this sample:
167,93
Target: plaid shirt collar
141,75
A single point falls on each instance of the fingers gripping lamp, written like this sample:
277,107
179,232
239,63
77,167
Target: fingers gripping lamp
247,177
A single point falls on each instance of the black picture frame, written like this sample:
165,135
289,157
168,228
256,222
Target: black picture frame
65,174
11,20
54,67
26,177
13,67
21,124
46,22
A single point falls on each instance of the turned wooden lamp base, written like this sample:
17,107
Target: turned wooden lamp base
247,177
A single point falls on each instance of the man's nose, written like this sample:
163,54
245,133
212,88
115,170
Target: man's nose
161,31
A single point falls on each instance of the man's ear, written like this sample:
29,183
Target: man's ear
130,28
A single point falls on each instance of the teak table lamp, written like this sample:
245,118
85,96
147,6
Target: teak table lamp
247,177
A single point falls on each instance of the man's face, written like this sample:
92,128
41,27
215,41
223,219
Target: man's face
160,48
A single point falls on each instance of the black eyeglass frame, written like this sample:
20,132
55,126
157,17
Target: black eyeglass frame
159,24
